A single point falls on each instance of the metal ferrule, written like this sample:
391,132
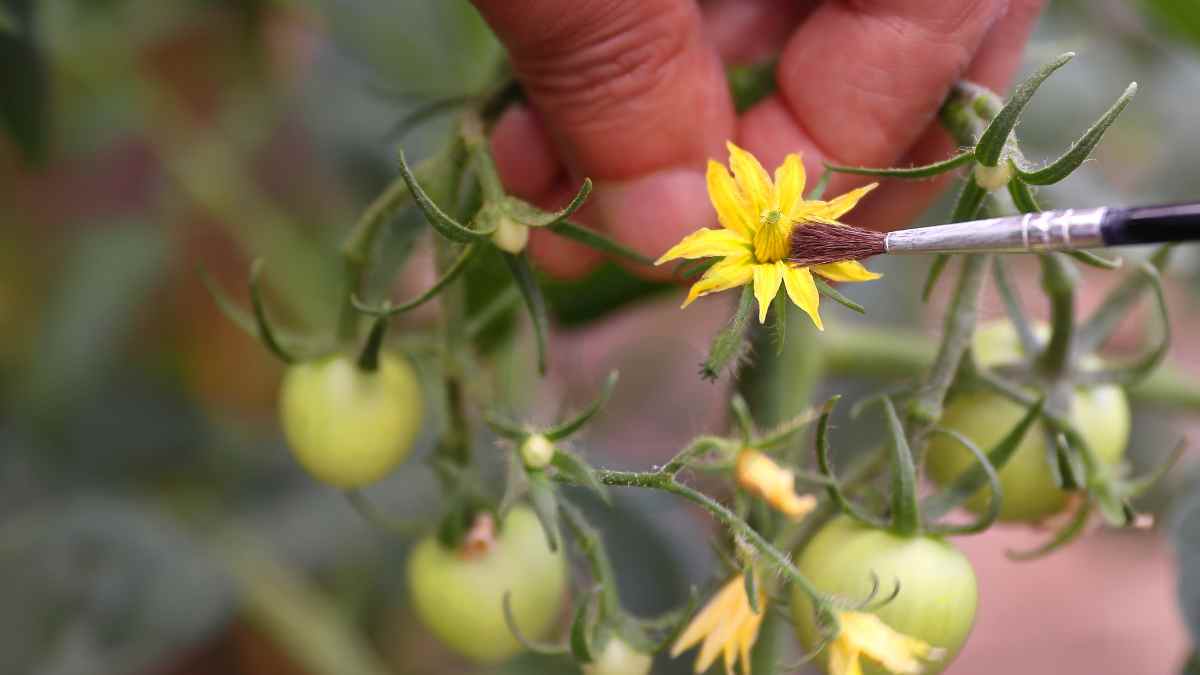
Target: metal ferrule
1045,231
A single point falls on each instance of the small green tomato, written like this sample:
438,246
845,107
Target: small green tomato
938,594
537,451
458,594
618,658
346,426
1100,413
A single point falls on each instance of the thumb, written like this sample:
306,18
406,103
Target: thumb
632,96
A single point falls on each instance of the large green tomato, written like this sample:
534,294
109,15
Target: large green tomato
350,427
937,598
1101,414
459,597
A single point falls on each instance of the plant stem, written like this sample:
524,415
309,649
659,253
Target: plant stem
1058,281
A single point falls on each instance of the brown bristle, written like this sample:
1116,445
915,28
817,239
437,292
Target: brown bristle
821,243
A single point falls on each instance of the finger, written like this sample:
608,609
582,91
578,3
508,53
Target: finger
632,95
860,81
749,31
897,203
524,155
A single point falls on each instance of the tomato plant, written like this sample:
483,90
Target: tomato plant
348,426
1101,414
618,658
937,594
458,594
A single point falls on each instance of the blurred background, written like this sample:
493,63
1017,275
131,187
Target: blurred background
151,518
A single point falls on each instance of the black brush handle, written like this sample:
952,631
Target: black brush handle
1151,224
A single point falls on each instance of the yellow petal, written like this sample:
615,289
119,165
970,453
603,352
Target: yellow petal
726,274
766,286
838,206
843,659
706,243
706,621
723,634
875,639
733,209
789,183
752,178
800,288
748,636
847,270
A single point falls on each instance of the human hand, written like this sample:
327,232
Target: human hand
632,93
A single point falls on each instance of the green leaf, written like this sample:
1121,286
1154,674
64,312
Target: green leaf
1080,149
1137,487
532,216
741,414
263,324
991,142
818,190
730,342
516,484
1012,307
565,429
544,648
1092,260
984,467
545,505
1134,371
906,513
912,172
438,286
749,84
1023,197
833,488
834,294
532,294
443,223
1069,533
504,427
8,22
583,627
1116,305
580,472
589,237
979,475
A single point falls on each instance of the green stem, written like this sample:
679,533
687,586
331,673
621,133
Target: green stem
1058,281
592,545
738,527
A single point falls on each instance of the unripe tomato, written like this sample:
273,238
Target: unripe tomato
458,595
618,658
1101,414
937,598
346,426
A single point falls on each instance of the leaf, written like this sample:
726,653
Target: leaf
565,429
532,216
583,626
589,237
912,172
818,190
978,476
730,342
581,473
1023,197
534,646
833,488
263,324
1080,149
1116,305
1069,533
1137,369
906,516
834,294
532,294
443,223
991,142
545,506
1092,260
450,275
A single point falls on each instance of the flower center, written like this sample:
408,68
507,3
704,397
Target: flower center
771,238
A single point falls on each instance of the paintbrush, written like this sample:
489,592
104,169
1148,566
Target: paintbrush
1061,230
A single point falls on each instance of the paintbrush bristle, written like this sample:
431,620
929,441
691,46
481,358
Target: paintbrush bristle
821,243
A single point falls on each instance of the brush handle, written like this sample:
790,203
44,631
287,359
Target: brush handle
1062,230
1151,224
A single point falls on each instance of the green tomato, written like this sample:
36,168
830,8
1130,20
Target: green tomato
1100,413
459,596
937,598
346,426
618,658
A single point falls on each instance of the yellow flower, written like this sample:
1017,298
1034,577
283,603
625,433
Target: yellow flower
865,634
727,624
759,474
757,216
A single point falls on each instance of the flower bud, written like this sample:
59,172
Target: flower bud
760,475
510,236
618,658
993,177
537,451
